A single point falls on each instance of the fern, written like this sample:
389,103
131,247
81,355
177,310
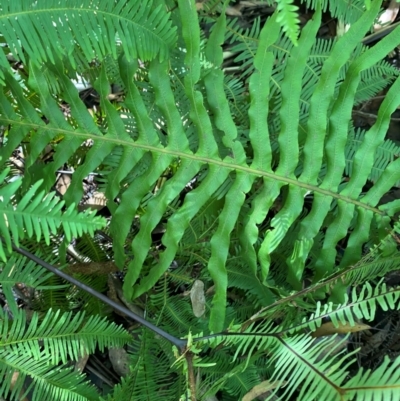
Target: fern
49,382
39,215
22,352
320,377
262,164
144,31
217,169
150,360
385,154
289,19
10,275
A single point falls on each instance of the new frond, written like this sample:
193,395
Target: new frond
289,19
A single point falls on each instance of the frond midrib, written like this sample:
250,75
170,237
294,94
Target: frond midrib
190,156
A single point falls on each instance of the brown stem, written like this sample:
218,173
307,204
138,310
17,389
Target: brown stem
191,377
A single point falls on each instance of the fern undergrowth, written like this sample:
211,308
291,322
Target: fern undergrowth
245,211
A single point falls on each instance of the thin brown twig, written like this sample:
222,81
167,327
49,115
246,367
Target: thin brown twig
373,116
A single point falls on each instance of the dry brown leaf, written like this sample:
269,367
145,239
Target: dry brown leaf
233,11
14,379
328,329
81,363
262,388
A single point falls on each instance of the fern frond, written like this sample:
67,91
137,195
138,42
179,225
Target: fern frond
288,19
58,332
174,314
386,153
239,277
251,177
322,372
50,31
383,382
18,270
206,160
320,377
361,304
39,215
150,360
49,382
218,162
348,12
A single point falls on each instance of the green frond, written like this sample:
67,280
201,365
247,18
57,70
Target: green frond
147,381
48,30
17,270
348,12
58,334
386,153
81,300
92,248
314,365
239,277
173,312
289,19
48,382
52,298
372,266
41,290
40,215
375,79
381,384
230,376
244,43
